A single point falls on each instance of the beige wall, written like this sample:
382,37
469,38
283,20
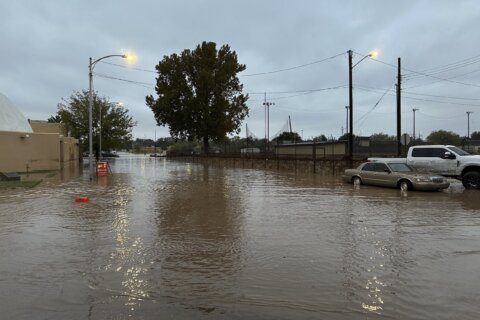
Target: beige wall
22,152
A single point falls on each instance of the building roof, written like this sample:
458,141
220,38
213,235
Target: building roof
11,118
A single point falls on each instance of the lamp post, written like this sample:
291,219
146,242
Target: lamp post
350,95
91,65
414,110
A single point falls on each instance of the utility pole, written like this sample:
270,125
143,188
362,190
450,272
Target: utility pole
267,121
468,128
399,109
350,104
346,124
414,109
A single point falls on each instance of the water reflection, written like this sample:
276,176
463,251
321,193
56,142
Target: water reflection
167,239
199,218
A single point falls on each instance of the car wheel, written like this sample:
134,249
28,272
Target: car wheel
471,180
356,181
405,185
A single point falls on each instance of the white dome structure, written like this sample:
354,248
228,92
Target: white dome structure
11,119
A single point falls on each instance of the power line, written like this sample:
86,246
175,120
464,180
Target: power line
143,84
127,67
448,67
297,91
439,96
420,99
292,68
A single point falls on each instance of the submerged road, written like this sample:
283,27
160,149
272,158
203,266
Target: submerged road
177,240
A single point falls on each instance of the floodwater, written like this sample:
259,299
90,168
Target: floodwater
162,239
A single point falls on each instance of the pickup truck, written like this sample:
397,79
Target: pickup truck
446,160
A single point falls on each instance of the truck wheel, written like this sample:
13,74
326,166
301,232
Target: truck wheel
405,185
471,180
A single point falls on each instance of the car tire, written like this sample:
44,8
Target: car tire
405,185
471,180
356,181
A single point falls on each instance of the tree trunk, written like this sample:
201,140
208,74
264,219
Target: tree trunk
206,146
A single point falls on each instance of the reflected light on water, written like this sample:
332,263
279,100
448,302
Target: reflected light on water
128,252
176,240
374,287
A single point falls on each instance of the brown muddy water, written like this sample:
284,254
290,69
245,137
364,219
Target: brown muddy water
162,239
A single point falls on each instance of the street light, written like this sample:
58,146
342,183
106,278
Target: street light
372,54
129,57
414,110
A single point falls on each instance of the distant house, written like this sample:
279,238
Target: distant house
31,146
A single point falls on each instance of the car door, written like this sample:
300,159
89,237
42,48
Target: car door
382,175
367,173
434,160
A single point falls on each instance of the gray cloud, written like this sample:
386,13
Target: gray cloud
46,46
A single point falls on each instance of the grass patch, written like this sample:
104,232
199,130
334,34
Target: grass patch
18,184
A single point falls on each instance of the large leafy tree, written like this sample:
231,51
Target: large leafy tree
116,123
444,137
199,95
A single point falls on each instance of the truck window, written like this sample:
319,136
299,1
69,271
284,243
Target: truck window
428,152
459,151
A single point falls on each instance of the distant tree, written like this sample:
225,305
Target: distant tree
382,137
199,94
320,138
444,137
475,135
288,136
116,126
164,143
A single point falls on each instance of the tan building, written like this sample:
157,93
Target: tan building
27,146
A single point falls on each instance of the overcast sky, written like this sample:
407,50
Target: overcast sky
46,45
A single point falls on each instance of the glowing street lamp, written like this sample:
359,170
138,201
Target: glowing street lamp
130,58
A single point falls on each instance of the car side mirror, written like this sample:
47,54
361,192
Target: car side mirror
387,171
448,155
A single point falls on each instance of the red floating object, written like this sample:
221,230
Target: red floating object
81,199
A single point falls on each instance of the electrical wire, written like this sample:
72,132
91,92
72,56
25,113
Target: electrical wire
143,84
127,67
447,67
292,68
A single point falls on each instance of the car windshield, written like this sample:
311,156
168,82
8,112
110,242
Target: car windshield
400,167
459,151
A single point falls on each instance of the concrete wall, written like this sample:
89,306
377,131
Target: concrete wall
69,151
22,152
